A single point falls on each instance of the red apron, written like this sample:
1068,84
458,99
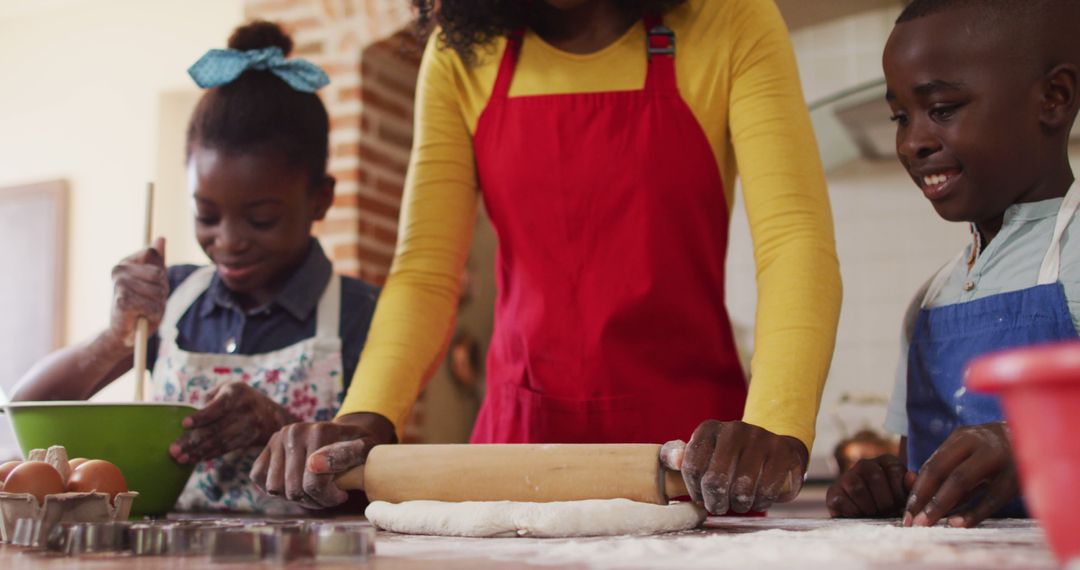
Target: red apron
610,325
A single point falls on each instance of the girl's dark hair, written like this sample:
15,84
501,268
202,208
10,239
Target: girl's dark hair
468,24
260,113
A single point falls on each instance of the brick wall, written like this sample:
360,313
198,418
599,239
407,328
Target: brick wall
369,51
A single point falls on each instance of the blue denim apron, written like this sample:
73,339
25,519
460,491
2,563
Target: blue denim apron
945,339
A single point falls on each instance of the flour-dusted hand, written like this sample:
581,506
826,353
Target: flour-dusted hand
140,289
974,464
871,488
739,467
236,416
301,460
672,454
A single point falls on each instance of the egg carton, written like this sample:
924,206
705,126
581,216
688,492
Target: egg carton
91,507
61,508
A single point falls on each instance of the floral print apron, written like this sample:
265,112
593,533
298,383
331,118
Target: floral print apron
305,378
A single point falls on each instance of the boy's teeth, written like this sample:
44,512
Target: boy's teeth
935,179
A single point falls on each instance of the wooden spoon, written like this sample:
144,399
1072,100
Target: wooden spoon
142,327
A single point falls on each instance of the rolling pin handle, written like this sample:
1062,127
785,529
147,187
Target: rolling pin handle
674,486
351,480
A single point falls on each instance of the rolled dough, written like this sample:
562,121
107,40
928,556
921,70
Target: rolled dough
609,517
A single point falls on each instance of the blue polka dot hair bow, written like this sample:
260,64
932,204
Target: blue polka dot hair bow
221,66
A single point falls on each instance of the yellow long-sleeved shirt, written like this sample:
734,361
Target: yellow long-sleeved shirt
736,71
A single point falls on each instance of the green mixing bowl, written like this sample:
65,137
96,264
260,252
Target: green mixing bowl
135,437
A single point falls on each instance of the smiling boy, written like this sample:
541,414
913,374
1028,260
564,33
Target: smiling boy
984,95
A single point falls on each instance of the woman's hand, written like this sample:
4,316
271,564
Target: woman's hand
301,461
236,416
737,466
974,464
875,487
140,289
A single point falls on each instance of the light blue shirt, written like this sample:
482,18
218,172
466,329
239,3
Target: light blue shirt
1010,262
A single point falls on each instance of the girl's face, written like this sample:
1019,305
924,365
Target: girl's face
253,216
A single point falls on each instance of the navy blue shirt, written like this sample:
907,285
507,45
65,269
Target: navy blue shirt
215,321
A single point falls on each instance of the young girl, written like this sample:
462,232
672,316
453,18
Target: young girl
265,336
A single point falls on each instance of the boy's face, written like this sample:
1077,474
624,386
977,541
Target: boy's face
253,216
966,112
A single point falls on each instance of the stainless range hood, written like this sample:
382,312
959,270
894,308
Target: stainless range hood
854,123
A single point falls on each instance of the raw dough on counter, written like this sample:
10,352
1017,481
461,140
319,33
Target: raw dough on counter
609,517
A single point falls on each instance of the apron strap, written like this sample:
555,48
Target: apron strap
182,299
1051,265
938,282
508,64
328,318
659,55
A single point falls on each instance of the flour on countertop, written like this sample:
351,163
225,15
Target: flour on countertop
757,543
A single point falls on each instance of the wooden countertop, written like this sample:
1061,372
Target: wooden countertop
725,542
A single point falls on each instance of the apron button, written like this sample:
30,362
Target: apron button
230,345
969,285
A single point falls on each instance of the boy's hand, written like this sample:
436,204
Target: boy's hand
236,416
871,488
974,459
301,461
738,466
140,289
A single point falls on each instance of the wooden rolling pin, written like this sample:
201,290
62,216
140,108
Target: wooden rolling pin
537,473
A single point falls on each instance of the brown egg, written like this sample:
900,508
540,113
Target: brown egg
35,477
97,476
75,463
5,469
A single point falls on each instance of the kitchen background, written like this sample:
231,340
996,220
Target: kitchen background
94,101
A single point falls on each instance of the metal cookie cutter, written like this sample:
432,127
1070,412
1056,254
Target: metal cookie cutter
287,543
185,539
237,544
28,533
76,539
146,539
344,542
191,538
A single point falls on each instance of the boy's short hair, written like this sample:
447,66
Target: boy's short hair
1046,31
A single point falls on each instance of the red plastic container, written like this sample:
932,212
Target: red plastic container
1040,393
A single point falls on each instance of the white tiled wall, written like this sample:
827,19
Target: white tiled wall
840,54
889,241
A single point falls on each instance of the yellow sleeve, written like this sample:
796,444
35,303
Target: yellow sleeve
438,214
798,276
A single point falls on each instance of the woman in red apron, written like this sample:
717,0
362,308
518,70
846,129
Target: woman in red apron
603,172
